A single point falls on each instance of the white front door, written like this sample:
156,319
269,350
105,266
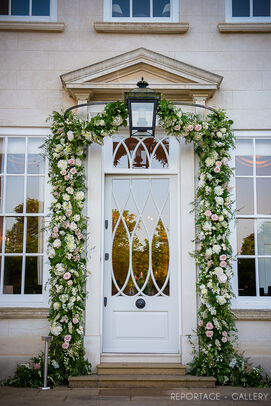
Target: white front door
141,264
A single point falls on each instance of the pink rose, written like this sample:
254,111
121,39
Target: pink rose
217,169
54,235
75,320
223,257
224,339
66,224
73,171
71,161
208,213
68,337
55,229
209,326
67,276
218,163
190,127
224,333
200,323
65,346
198,127
68,213
214,217
209,334
69,283
66,177
177,127
56,194
223,264
37,366
63,172
76,258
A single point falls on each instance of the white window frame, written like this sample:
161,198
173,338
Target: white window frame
246,302
51,18
251,19
174,14
31,300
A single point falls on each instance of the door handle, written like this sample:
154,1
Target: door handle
105,301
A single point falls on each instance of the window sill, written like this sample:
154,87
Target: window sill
244,27
31,26
141,28
23,313
252,314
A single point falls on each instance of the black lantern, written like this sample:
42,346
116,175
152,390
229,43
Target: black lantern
142,106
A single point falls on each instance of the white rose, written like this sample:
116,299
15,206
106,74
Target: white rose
70,135
66,197
222,277
117,121
73,226
79,195
63,298
51,253
76,217
69,190
204,291
58,148
207,226
56,329
216,249
56,305
219,190
78,162
223,130
209,161
219,134
62,164
57,243
219,200
221,300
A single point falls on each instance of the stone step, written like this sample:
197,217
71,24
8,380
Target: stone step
141,381
142,368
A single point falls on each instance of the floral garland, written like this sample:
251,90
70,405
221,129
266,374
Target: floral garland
212,140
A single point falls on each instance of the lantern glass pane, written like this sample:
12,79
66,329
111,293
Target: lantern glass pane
142,114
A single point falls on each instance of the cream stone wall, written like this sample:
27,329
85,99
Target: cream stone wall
30,89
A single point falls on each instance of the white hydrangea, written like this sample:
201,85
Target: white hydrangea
219,190
79,195
216,249
117,121
56,329
62,164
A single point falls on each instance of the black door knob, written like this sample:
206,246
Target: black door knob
140,303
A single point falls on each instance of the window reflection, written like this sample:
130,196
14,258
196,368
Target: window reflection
246,277
263,195
265,276
34,235
14,194
244,196
35,161
16,155
13,275
14,234
264,237
245,237
35,194
244,158
263,157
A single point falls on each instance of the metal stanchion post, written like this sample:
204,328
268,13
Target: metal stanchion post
47,339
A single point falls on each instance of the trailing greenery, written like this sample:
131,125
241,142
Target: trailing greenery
212,139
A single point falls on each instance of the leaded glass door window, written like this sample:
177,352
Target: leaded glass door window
140,263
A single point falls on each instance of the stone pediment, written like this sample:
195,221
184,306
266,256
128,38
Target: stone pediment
109,79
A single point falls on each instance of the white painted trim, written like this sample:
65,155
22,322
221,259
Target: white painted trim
174,14
51,18
113,357
251,19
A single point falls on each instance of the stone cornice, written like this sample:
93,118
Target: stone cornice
23,313
141,28
252,314
31,26
244,27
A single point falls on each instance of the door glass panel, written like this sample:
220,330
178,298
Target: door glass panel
140,237
15,159
33,275
14,194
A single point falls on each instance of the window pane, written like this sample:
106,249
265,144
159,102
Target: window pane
20,7
2,154
14,234
35,159
12,275
14,194
265,276
244,196
261,8
141,8
40,7
244,158
246,277
161,8
1,192
120,8
35,194
245,237
1,234
264,195
34,239
240,8
264,237
263,157
4,7
33,275
16,155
